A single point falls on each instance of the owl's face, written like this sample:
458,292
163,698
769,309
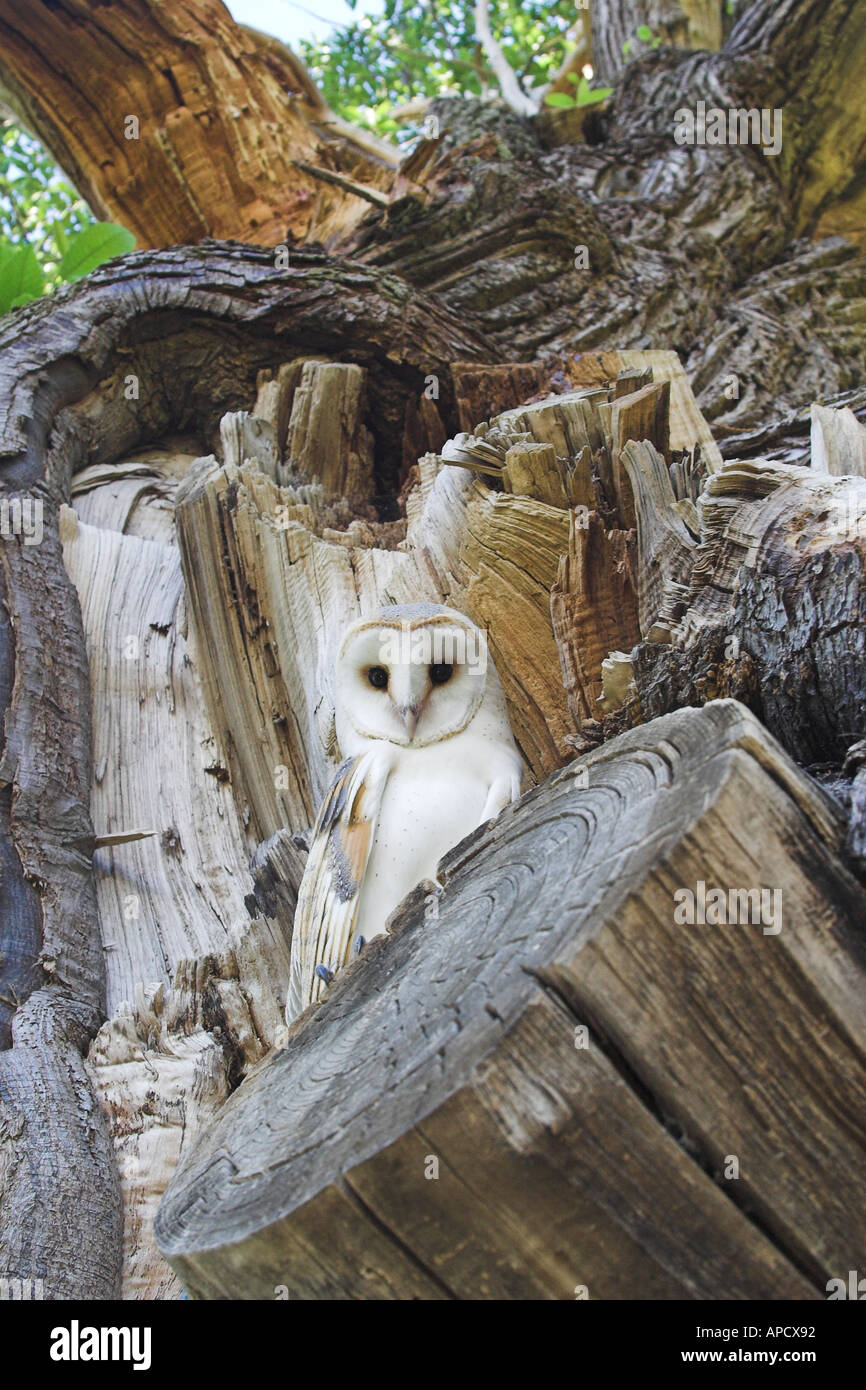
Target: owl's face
412,674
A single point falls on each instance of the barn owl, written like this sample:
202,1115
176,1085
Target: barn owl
429,755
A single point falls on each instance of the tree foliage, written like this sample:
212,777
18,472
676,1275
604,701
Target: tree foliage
424,48
48,234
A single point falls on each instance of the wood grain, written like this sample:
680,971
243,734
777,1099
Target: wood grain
469,1056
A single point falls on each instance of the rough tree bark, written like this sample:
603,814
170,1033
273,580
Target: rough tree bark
223,117
698,24
467,277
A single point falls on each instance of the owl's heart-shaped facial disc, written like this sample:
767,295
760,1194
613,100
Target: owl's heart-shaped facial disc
411,675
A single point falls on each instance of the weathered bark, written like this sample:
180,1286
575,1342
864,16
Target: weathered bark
58,1183
224,116
561,1164
769,591
694,248
679,23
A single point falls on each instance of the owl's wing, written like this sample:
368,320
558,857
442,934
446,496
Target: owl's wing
330,889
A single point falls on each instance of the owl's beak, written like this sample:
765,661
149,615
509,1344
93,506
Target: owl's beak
409,714
408,689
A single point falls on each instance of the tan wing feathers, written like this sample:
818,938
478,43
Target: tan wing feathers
339,852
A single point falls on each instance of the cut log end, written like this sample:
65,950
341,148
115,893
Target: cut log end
399,1127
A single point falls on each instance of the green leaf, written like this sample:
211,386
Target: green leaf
645,33
588,96
94,246
575,77
20,276
561,99
626,48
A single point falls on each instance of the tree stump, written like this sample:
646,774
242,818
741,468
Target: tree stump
539,1081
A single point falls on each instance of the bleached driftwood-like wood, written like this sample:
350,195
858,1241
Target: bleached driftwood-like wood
569,423
630,370
267,660
531,1030
687,425
327,439
167,1060
195,986
838,442
618,397
244,436
275,393
533,470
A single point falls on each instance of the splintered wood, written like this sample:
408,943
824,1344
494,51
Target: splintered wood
191,1001
774,582
596,536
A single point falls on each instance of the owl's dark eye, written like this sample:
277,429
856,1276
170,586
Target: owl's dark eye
441,673
378,677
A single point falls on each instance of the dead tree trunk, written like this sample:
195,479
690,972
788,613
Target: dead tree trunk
203,412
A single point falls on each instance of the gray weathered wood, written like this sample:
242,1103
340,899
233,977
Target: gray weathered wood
777,582
455,1039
